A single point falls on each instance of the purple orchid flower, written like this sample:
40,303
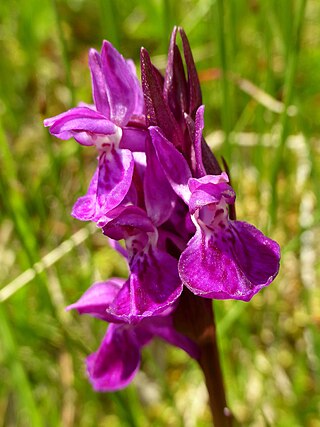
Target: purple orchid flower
225,259
115,126
117,360
159,188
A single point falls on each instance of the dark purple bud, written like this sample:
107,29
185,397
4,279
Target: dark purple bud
195,97
157,111
210,162
175,88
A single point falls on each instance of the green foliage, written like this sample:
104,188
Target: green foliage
259,66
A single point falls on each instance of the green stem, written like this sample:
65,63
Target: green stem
194,318
211,368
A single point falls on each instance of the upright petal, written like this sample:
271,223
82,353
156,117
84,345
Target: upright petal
99,86
206,193
199,125
159,196
139,104
173,163
203,161
121,85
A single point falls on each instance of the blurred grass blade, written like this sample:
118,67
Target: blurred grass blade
20,382
15,202
288,96
110,22
46,262
126,407
64,52
263,97
223,55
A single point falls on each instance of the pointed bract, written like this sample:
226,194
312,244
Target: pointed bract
195,96
175,88
157,111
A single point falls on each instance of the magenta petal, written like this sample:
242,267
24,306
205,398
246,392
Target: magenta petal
259,257
86,206
97,299
128,221
116,362
139,104
195,183
207,194
153,286
134,139
122,86
210,189
234,265
206,161
199,125
173,163
80,123
99,89
159,196
108,187
115,176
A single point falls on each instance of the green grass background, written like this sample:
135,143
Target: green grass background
259,64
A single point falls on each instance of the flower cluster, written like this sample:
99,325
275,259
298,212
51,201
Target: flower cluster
158,188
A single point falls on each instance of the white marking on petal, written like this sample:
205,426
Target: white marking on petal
107,142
